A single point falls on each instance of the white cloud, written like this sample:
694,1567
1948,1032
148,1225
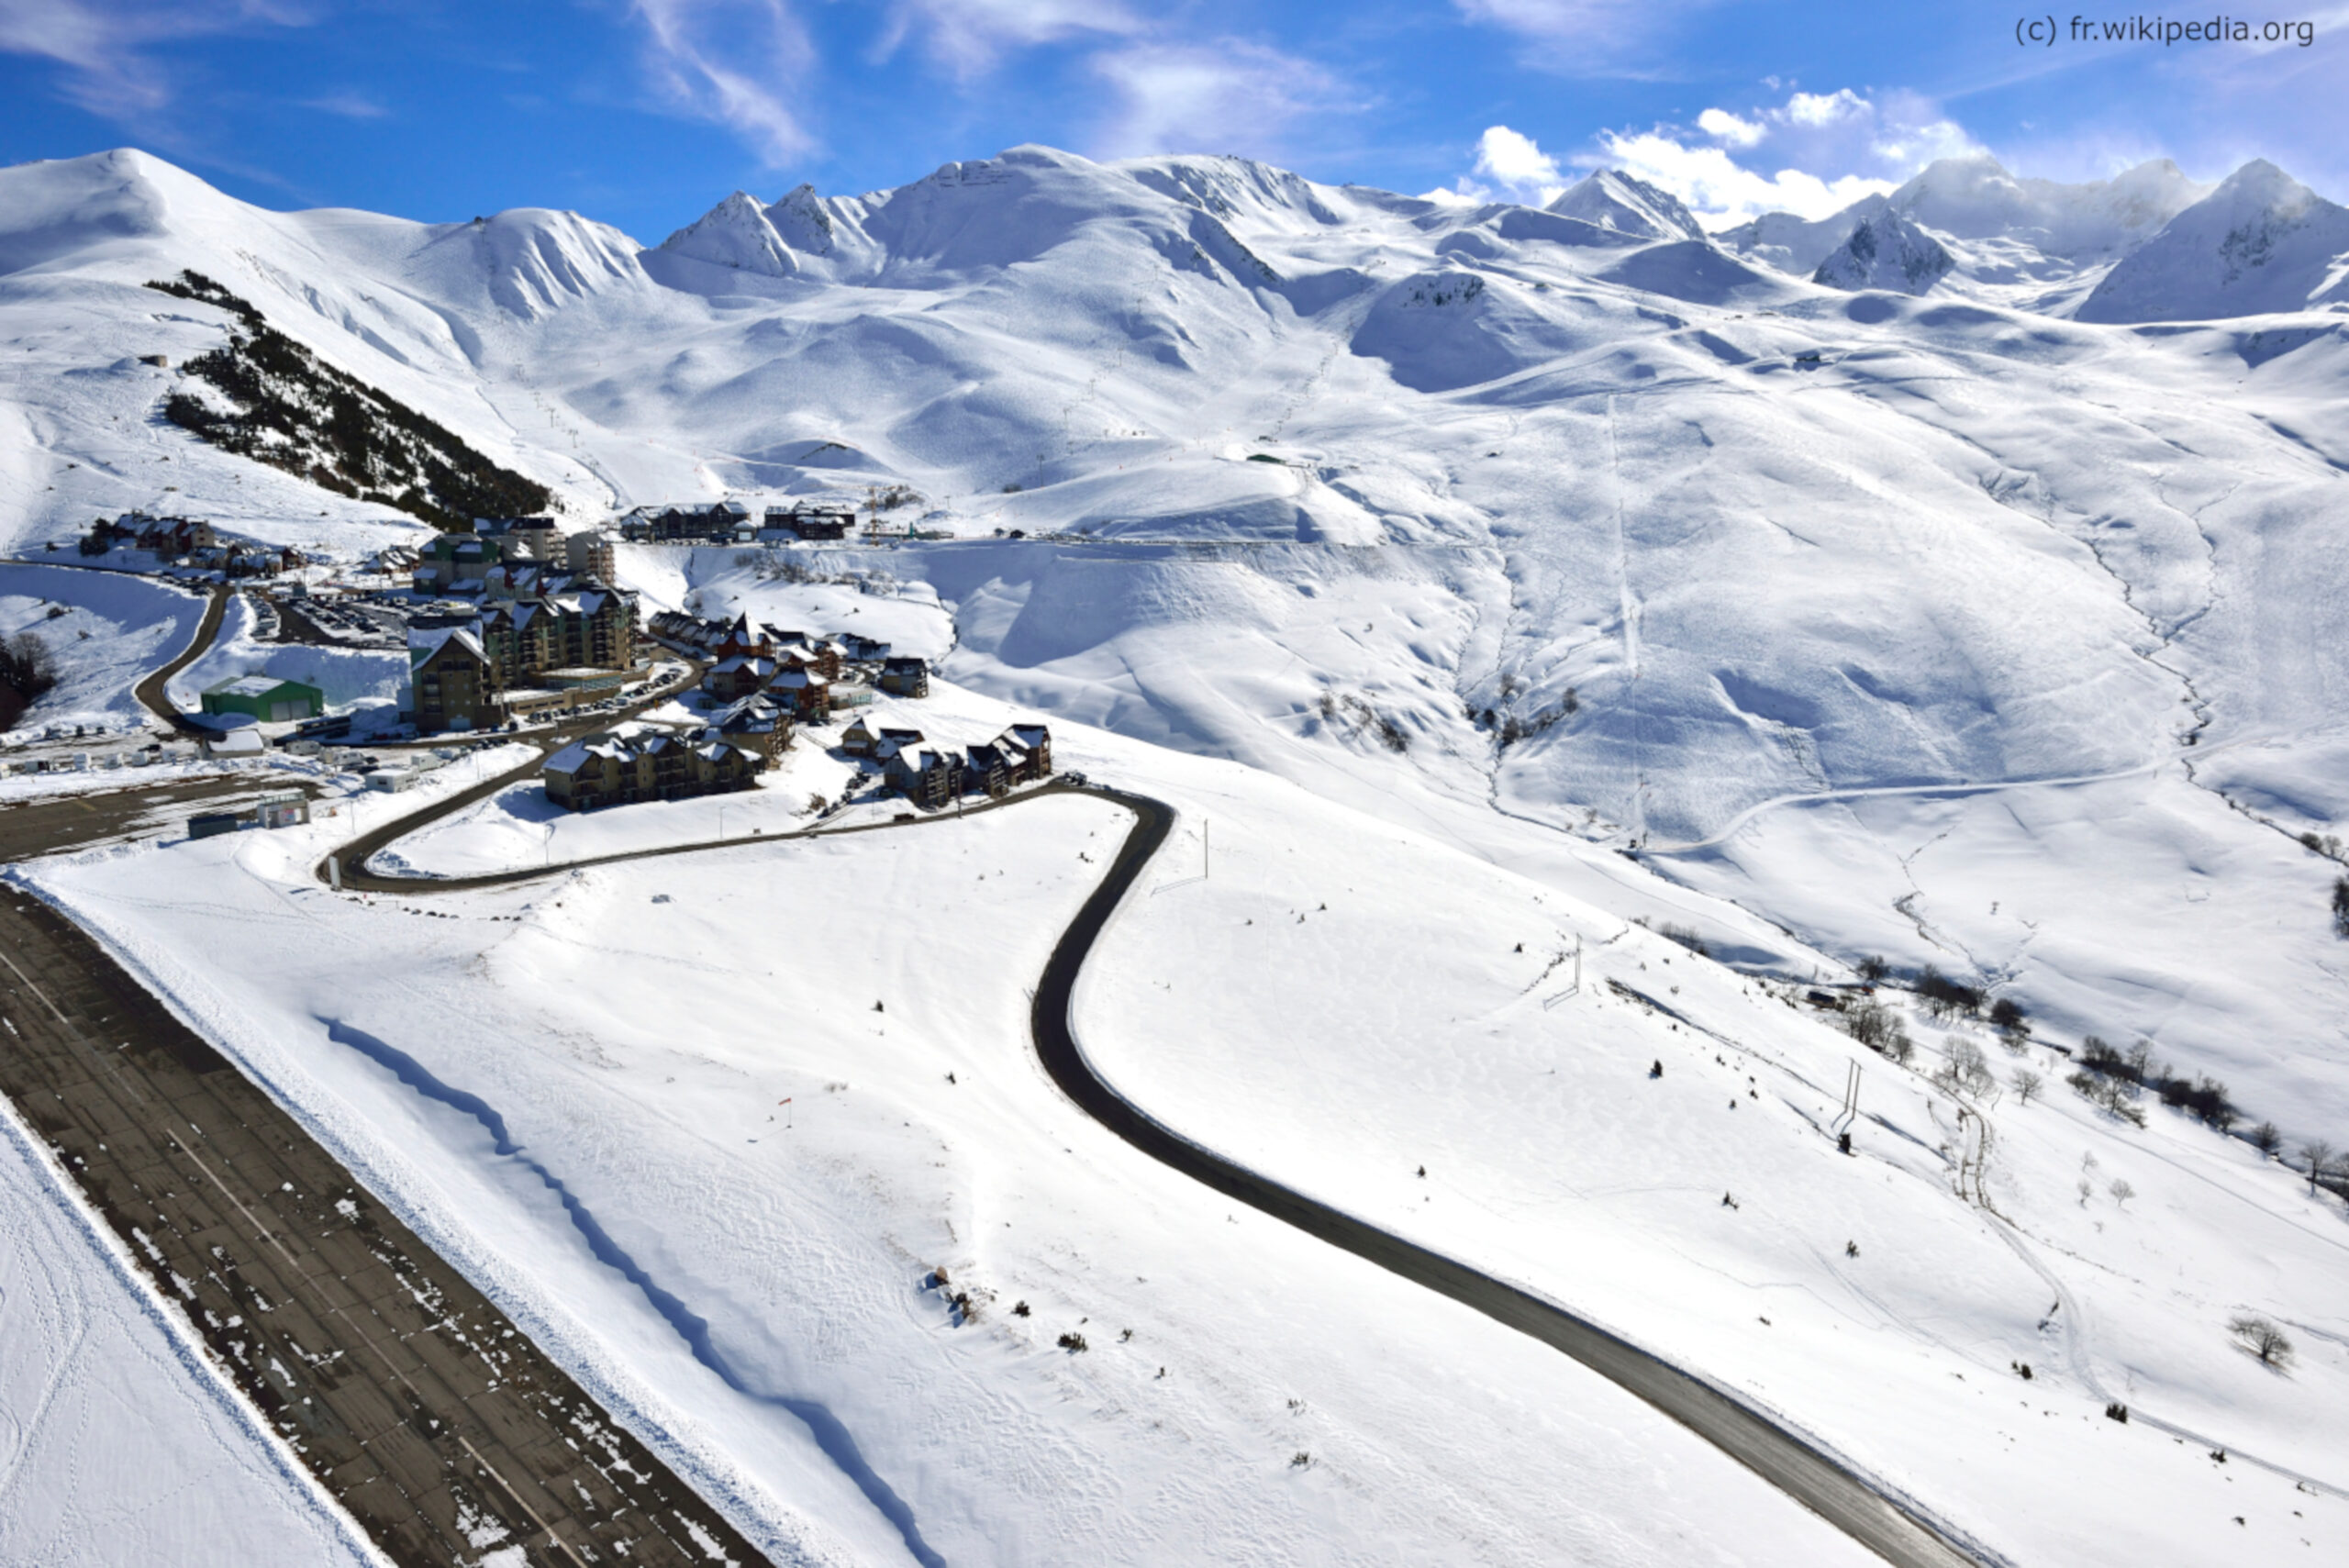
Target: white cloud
1514,159
1724,126
1811,155
1228,96
1721,190
1824,108
967,38
731,62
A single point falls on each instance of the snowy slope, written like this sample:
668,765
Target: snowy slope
1341,1003
634,1066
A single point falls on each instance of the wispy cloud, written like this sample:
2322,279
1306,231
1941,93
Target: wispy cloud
349,105
736,64
1590,37
1228,95
103,44
967,38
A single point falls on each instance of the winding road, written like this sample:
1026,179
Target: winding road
1780,1457
151,691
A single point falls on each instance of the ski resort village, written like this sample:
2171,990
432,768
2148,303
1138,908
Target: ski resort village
1152,862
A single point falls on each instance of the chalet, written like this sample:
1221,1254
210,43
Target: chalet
906,677
453,563
928,778
167,536
1030,747
805,695
881,742
526,539
739,641
452,683
864,650
987,768
755,724
813,654
740,675
611,770
592,627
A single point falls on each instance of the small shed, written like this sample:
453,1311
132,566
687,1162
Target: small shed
265,698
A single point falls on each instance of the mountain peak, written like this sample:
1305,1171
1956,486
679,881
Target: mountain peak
2260,243
1886,251
1613,200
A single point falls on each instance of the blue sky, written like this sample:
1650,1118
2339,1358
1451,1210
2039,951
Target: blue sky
644,113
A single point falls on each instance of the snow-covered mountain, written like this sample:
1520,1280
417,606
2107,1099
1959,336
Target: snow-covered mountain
2034,242
2261,244
1614,200
1825,621
1885,252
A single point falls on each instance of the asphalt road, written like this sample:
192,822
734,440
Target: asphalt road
1778,1456
151,691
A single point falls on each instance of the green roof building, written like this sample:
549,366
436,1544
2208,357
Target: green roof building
266,699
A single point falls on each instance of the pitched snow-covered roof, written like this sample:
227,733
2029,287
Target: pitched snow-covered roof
424,643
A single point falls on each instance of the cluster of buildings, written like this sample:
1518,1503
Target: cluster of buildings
804,673
502,553
190,541
730,522
528,623
617,769
767,680
933,776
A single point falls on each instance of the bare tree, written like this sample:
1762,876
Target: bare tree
1966,1071
2027,1085
2121,1192
2261,1339
2319,1154
2266,1138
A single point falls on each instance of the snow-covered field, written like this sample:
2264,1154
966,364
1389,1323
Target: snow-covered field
1992,617
115,630
1340,1003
